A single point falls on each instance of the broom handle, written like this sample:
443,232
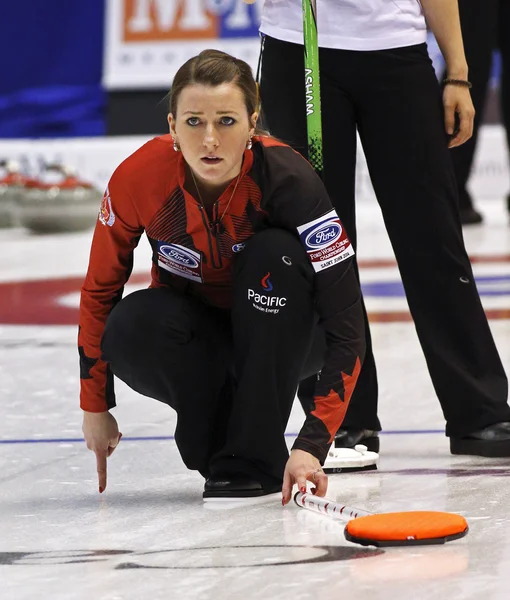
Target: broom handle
327,507
312,86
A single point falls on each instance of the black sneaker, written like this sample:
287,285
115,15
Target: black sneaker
236,487
492,441
348,438
470,216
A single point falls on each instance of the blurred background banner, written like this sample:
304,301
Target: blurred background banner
75,69
52,68
148,40
97,73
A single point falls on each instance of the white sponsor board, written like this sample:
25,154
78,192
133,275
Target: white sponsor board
146,41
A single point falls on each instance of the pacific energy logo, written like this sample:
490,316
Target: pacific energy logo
264,302
266,283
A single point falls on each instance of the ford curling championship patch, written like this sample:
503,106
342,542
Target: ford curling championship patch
326,241
180,261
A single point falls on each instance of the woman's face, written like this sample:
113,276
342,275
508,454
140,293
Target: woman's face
212,128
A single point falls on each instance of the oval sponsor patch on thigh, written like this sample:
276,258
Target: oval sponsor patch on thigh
325,241
180,261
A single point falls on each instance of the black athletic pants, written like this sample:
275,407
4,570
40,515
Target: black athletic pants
392,97
230,375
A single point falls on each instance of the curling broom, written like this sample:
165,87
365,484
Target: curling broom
407,528
338,460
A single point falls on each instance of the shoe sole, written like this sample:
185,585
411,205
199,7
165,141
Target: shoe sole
240,499
330,471
488,449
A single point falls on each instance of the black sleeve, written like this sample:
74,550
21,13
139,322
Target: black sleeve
296,199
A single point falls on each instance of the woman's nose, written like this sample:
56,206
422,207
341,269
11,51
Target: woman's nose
211,137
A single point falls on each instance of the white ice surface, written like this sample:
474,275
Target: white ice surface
150,536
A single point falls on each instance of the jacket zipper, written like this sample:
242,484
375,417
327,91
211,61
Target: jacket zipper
215,256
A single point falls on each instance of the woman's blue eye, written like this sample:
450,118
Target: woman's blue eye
194,121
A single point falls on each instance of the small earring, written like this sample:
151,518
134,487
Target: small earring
249,144
176,146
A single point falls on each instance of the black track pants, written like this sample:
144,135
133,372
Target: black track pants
392,97
230,375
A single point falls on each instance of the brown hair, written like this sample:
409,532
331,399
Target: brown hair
213,67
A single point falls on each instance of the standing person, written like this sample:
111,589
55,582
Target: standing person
504,48
377,79
478,19
485,26
253,288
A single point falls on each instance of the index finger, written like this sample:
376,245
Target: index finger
286,488
101,469
449,118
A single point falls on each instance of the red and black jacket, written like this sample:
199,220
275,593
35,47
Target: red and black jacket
277,188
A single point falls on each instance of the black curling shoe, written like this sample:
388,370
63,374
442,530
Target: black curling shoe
470,216
232,487
348,438
492,441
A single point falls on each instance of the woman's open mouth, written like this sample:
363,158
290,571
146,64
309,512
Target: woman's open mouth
211,160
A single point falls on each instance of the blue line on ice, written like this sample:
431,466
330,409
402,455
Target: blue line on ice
159,438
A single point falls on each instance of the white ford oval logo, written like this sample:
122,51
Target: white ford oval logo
323,235
178,255
238,247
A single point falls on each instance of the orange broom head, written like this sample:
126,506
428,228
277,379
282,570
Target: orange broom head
410,527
